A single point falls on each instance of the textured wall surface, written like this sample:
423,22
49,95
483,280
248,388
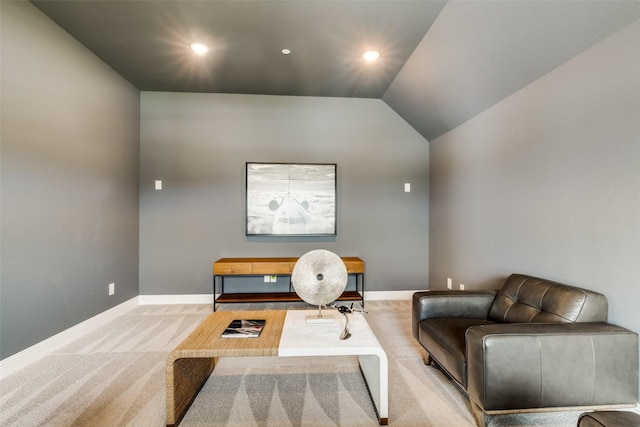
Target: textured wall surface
198,145
547,183
70,154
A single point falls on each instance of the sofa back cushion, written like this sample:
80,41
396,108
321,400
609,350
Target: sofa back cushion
525,299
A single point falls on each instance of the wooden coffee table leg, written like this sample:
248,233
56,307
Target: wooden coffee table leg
185,377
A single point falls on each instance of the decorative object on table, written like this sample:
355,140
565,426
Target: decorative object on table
345,311
345,332
241,328
287,199
319,278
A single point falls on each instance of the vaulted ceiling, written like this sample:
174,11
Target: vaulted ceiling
441,62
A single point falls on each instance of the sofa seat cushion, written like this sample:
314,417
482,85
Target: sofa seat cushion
445,339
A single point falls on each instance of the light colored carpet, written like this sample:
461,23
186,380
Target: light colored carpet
115,377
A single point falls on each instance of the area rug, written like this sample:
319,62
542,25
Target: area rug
115,376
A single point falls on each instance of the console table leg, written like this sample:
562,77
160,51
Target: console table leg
360,278
217,280
214,293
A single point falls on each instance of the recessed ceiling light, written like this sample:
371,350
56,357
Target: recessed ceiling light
371,55
199,48
286,51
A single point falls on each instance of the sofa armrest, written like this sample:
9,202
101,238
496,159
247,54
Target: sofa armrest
469,304
545,365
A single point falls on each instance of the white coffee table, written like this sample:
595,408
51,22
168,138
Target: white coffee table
286,334
300,338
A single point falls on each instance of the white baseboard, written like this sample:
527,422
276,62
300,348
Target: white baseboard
388,295
208,298
176,299
29,355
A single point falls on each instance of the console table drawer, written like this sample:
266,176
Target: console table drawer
231,268
271,268
354,265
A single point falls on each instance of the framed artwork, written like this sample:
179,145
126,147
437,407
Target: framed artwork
291,199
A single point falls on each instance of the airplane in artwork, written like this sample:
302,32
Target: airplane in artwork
291,216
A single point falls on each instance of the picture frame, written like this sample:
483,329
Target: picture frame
291,199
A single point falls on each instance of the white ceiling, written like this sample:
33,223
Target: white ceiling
442,62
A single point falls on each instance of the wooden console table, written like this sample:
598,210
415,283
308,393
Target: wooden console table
274,266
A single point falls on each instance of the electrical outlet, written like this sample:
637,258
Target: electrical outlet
112,288
274,279
267,278
461,287
449,283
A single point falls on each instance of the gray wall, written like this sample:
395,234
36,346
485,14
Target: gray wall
198,145
70,153
547,182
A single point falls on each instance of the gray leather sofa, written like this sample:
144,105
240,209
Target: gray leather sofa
609,419
532,345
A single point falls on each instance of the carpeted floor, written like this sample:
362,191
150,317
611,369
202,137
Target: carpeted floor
115,376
